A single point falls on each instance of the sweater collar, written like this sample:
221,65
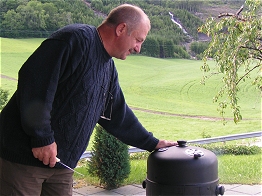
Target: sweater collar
100,41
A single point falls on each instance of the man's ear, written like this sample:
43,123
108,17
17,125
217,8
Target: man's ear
121,29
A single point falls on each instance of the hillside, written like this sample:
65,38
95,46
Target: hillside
174,23
213,10
201,11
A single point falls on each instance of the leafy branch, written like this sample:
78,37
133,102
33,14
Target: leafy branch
235,43
247,73
236,15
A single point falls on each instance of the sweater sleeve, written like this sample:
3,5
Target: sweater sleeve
38,80
125,126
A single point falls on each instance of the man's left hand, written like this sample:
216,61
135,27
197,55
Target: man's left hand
165,143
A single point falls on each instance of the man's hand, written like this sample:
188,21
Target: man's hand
46,154
165,143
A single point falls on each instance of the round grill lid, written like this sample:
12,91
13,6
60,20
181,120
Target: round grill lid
182,164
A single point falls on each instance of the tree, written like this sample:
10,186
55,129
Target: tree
13,22
33,14
198,47
168,47
236,45
39,18
150,47
110,159
50,15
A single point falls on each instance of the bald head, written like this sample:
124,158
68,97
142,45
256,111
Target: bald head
132,15
124,31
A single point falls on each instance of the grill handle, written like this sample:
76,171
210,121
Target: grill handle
220,190
181,143
144,184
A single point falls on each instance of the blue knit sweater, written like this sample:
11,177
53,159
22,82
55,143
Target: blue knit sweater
63,89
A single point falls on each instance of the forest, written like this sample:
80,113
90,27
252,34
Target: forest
39,18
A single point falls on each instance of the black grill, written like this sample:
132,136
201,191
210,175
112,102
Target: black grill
182,170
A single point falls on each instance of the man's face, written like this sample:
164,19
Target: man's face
131,43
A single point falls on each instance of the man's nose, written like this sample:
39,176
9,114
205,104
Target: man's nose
137,48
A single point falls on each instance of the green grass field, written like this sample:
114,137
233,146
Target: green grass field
168,86
165,85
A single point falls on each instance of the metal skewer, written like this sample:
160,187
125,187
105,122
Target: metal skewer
59,161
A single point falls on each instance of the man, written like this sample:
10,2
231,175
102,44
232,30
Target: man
67,86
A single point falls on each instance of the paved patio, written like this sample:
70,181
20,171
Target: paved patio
136,189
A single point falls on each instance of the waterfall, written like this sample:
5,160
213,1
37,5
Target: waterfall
178,24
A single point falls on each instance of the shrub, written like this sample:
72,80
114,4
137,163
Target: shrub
110,159
218,149
3,98
232,149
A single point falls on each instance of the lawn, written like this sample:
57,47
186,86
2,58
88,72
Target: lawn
171,86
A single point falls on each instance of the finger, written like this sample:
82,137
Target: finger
165,143
52,161
40,158
35,154
46,160
172,143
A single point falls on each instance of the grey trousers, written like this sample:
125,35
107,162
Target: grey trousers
17,179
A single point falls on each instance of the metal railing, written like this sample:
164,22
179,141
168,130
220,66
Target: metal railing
88,154
227,138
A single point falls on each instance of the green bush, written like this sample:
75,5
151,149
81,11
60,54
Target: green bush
110,159
198,47
3,98
232,149
218,149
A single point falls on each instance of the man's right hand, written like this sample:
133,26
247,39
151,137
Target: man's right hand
46,154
